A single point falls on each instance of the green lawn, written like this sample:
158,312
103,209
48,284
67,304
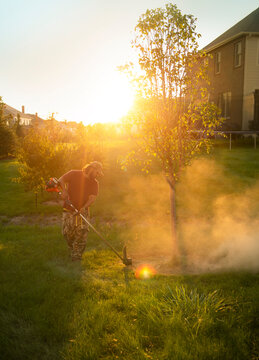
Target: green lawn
51,308
14,200
54,309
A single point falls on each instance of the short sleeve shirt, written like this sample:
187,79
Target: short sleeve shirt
80,188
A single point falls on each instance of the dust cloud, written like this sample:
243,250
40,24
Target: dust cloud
146,213
217,218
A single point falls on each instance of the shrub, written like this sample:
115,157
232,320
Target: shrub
7,141
41,158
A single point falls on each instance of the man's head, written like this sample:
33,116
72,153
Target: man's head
93,170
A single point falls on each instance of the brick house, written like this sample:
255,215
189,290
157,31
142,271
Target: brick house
234,73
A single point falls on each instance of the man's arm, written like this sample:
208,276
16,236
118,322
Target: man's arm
90,201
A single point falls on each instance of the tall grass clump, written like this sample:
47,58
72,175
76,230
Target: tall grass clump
181,323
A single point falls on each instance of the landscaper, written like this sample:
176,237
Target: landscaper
81,188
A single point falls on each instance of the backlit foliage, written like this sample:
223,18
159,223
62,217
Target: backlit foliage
172,119
43,154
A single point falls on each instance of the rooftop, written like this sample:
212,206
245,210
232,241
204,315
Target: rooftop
248,25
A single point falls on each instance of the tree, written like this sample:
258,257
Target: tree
18,127
7,137
172,118
40,159
42,156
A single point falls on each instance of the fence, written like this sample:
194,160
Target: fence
253,133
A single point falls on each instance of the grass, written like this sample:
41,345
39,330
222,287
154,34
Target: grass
14,201
52,308
241,163
37,293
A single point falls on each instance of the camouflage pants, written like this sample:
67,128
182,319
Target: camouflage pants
75,232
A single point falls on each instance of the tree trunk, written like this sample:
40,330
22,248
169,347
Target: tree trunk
36,200
175,243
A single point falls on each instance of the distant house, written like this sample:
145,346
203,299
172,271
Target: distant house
25,119
29,120
234,73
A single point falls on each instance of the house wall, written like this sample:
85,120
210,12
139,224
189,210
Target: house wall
230,79
251,78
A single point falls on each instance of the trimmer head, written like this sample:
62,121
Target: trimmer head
126,261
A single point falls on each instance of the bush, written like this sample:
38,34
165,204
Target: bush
41,158
7,137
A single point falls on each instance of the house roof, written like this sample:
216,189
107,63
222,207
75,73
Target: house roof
248,25
10,110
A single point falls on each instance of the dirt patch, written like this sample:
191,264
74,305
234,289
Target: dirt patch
41,220
48,220
53,203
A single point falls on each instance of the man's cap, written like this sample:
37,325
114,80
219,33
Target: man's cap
96,165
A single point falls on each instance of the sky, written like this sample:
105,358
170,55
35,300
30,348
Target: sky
61,56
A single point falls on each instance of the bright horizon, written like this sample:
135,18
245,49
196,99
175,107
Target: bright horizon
61,56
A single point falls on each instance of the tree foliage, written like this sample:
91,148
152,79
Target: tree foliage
42,156
7,137
40,159
172,117
18,127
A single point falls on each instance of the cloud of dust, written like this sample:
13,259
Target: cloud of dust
145,210
218,218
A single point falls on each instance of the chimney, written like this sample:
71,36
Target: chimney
36,116
23,109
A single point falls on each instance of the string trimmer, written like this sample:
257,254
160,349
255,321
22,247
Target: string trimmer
53,185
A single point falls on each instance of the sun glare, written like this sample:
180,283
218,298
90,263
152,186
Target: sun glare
145,272
109,100
112,100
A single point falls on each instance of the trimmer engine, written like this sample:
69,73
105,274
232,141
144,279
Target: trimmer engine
53,185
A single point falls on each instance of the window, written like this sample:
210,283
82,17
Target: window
225,104
218,62
25,121
237,54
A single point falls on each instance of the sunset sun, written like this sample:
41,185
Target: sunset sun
110,100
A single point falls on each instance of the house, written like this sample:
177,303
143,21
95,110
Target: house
29,120
25,119
234,73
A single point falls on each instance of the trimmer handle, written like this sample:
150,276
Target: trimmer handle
68,203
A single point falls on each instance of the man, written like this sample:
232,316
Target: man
81,188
